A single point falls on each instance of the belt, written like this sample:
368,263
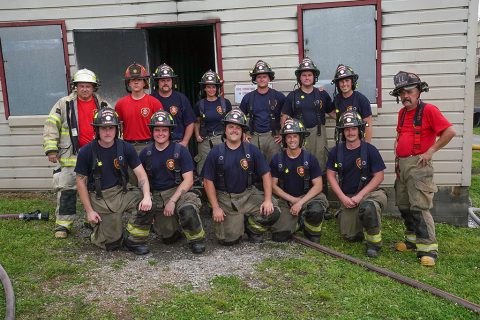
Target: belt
138,141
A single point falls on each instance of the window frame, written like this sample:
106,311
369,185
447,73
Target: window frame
378,28
3,81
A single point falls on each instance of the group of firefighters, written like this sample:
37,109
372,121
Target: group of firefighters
264,166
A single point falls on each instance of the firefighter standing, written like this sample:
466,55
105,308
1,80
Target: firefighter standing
175,103
263,107
228,176
297,181
67,128
418,126
210,111
309,105
345,81
169,166
360,169
102,179
136,109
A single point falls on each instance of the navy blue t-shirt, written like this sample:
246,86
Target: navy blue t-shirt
235,166
163,165
303,106
356,102
261,109
213,114
351,165
179,107
108,156
293,171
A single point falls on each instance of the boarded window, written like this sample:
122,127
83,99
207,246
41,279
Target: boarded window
34,66
108,53
344,35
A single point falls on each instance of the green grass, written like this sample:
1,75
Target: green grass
476,130
309,286
475,187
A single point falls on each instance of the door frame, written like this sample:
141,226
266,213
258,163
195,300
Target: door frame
217,40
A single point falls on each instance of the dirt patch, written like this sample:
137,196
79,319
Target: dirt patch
122,275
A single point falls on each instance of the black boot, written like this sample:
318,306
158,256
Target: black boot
372,251
198,247
135,247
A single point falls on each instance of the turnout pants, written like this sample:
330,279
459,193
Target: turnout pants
64,185
236,206
266,143
414,191
185,219
204,148
107,234
290,223
132,178
352,225
316,145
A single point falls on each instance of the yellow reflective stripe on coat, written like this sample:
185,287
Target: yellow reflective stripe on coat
65,223
192,237
373,238
313,228
137,231
50,145
255,225
53,118
65,131
411,237
68,162
427,247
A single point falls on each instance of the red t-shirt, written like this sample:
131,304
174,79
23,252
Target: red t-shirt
433,124
86,110
136,115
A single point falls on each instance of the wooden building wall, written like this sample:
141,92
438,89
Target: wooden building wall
434,38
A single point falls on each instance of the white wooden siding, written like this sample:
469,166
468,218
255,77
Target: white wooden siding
434,38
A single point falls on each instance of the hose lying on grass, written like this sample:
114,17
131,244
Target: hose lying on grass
473,215
9,295
414,283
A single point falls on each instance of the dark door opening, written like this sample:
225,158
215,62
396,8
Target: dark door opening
189,50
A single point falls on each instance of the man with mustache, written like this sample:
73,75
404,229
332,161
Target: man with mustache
175,103
419,125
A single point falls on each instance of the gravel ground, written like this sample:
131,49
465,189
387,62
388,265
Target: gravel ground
122,274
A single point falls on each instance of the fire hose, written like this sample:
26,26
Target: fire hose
395,276
9,295
36,215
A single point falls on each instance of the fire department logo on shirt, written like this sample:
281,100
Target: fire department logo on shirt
219,110
350,108
145,112
116,164
358,162
244,164
301,171
170,164
173,110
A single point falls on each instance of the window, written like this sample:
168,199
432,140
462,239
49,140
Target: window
34,73
347,33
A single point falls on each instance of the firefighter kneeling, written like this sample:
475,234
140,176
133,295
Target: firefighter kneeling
102,177
169,167
228,177
297,181
359,167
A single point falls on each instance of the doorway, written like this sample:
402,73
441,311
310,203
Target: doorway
189,50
